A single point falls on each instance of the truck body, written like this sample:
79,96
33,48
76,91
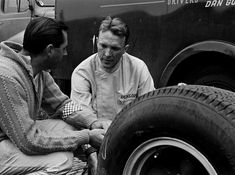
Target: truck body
190,41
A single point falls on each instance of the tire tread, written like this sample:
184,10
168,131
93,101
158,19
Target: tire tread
223,101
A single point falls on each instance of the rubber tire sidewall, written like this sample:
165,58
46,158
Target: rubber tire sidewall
178,117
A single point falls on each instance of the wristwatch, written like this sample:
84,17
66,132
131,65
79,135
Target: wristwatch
88,149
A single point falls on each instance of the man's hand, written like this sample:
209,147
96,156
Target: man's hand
96,136
92,163
101,124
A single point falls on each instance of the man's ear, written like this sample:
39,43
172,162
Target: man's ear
126,47
96,40
49,49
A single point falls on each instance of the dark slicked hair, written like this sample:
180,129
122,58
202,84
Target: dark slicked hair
116,26
41,32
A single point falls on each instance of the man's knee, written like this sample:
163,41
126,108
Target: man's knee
62,162
70,164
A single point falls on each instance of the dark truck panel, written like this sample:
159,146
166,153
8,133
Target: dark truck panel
189,41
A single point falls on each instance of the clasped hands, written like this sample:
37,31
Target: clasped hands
97,132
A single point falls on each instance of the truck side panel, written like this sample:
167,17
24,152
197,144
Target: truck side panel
159,29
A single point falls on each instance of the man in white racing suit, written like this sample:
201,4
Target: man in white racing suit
110,79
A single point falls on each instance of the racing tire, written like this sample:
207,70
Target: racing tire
177,130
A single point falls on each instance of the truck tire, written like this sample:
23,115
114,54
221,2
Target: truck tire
178,130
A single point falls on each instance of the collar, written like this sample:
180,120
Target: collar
12,50
101,69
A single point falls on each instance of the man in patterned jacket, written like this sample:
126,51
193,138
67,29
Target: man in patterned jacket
45,146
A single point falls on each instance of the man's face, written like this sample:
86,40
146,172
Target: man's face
110,49
59,52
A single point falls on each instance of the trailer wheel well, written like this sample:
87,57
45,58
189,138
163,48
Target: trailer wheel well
207,68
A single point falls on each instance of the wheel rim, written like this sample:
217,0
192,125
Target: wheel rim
137,163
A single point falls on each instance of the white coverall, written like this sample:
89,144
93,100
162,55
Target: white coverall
107,93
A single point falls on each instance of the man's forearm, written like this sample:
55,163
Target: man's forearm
78,116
